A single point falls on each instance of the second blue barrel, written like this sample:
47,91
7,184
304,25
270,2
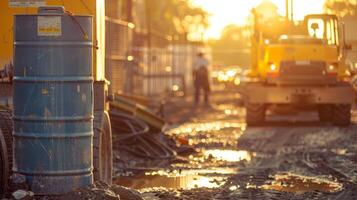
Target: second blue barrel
53,100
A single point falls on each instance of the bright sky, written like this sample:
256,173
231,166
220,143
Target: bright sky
225,12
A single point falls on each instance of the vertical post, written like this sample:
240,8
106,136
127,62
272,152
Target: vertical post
292,10
183,80
129,63
148,22
287,7
129,11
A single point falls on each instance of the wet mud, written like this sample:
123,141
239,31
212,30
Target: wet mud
293,156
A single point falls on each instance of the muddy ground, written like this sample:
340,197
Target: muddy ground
293,156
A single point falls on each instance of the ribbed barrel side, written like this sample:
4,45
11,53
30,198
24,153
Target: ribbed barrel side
53,101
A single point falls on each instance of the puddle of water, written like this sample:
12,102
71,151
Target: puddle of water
219,161
228,155
222,133
206,169
229,109
340,152
172,180
301,184
194,128
194,172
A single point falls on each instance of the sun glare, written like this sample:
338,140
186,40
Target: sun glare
225,12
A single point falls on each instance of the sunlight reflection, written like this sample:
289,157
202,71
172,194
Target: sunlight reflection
204,127
228,155
177,179
300,184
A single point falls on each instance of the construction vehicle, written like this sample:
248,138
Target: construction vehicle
299,64
102,143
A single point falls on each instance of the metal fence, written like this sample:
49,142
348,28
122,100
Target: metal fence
164,70
141,70
118,47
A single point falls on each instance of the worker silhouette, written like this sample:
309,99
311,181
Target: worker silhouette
201,78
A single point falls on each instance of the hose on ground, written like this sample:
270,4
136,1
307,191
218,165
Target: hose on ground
133,135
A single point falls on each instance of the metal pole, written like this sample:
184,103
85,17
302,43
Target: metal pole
287,10
292,10
129,14
148,21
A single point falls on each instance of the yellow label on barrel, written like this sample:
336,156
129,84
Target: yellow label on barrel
44,91
26,3
49,26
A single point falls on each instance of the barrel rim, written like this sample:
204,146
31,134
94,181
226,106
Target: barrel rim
63,173
78,43
53,15
51,119
53,79
53,136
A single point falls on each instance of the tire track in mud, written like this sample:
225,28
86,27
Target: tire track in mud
317,155
300,150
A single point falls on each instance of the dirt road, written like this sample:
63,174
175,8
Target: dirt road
291,157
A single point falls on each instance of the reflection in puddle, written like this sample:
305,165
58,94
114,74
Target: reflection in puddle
192,128
229,109
228,155
210,167
215,161
234,187
222,133
201,172
231,112
340,151
172,180
301,184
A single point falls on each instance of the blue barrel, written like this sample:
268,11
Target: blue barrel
53,100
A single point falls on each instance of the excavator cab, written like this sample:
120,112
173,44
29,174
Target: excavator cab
323,27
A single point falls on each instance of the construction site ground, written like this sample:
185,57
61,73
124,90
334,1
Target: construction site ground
292,156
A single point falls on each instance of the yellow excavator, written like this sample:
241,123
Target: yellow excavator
300,64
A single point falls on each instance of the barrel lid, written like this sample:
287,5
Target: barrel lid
51,10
